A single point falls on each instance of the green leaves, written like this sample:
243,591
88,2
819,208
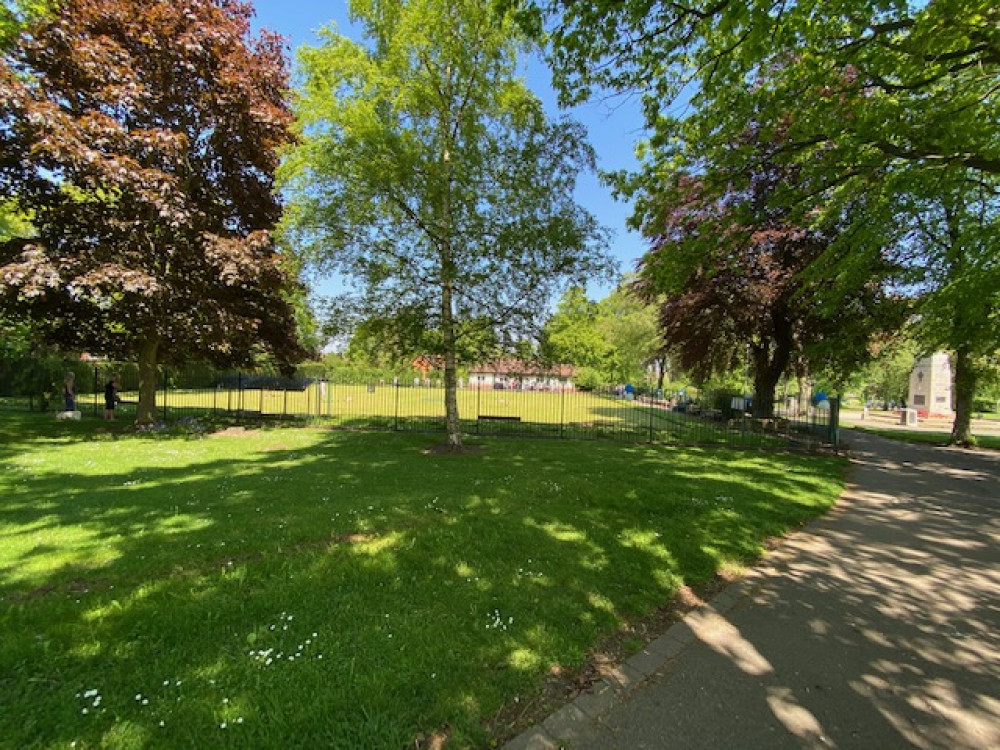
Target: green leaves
147,168
426,163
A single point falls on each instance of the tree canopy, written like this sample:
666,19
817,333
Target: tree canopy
881,107
734,271
612,340
147,168
429,175
925,72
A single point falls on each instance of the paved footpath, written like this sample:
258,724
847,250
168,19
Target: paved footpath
877,626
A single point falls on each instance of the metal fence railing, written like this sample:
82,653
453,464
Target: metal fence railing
398,404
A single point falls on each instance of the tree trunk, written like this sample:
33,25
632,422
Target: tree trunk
661,365
452,423
448,274
767,373
146,412
771,358
965,391
804,395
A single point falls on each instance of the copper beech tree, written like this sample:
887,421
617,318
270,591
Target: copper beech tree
736,278
141,138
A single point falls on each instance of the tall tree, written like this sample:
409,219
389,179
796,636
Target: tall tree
430,176
733,267
951,247
143,137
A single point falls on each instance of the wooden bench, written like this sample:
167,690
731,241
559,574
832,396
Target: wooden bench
492,418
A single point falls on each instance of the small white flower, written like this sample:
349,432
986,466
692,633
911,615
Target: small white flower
223,725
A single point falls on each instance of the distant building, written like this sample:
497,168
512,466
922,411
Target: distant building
515,374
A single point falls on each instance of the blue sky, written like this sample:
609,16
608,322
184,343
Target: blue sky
613,125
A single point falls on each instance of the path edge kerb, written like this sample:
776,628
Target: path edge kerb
567,723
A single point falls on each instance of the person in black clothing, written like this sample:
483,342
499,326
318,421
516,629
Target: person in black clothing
111,397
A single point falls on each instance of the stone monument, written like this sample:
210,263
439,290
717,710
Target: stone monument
930,386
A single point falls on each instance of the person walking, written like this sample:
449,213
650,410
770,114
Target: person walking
111,397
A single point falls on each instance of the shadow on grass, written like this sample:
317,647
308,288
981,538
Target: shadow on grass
438,587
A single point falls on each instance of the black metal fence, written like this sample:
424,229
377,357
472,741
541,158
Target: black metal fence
414,404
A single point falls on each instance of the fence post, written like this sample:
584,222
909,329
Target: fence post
743,422
649,405
562,413
395,388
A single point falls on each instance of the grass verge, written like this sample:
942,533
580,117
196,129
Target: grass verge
991,442
313,588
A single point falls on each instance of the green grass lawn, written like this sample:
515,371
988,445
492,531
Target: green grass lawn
312,588
925,436
488,412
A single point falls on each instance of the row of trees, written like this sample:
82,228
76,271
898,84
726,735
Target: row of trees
612,341
833,174
833,180
141,141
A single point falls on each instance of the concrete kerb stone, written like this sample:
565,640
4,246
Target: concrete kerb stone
534,739
726,600
565,723
597,701
666,647
623,678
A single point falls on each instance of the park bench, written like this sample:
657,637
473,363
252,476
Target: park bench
497,418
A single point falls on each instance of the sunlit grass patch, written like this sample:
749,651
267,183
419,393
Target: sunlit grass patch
990,442
309,588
